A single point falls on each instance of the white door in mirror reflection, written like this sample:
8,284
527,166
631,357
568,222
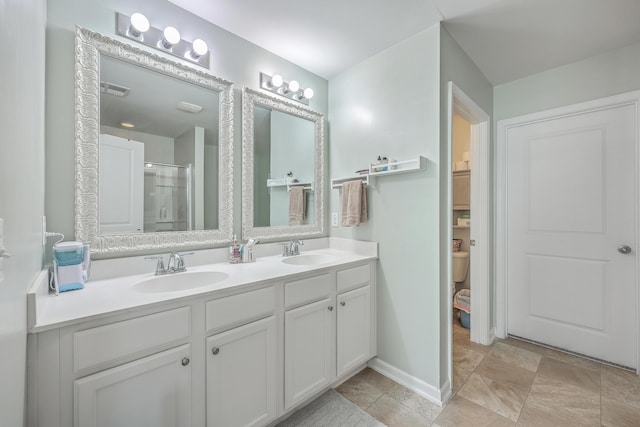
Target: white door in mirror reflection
121,202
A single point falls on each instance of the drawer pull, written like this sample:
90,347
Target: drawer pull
185,361
330,308
215,351
342,303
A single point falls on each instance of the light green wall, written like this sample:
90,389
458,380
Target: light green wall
22,25
456,66
611,73
232,58
389,105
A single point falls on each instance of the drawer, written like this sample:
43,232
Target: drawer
104,344
308,290
241,308
352,278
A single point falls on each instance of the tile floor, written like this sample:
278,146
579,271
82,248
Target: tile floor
506,384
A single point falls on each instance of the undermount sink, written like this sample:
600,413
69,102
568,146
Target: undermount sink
180,281
309,259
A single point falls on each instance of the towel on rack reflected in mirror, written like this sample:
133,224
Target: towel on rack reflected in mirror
354,203
297,205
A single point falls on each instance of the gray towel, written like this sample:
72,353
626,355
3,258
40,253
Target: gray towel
354,203
296,205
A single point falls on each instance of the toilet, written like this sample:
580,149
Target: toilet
460,267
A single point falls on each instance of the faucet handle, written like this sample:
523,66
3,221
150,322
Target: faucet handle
179,256
159,265
285,248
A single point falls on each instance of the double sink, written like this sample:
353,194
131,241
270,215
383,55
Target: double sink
197,279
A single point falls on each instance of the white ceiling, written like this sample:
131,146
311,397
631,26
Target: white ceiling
507,39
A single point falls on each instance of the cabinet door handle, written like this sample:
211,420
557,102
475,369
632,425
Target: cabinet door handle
330,308
185,361
215,351
342,303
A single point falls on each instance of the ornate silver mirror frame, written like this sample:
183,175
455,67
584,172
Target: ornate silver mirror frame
89,47
250,99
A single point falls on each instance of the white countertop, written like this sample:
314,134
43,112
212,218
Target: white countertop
115,295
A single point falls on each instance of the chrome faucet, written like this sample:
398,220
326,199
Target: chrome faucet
293,247
174,265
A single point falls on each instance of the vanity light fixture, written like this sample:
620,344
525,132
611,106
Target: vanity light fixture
290,90
199,48
139,24
137,28
170,37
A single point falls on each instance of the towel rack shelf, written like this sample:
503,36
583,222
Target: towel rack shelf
392,168
307,185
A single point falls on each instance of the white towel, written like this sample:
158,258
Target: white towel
354,203
296,205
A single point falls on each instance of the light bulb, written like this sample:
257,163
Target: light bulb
277,81
294,86
308,93
171,37
139,24
199,48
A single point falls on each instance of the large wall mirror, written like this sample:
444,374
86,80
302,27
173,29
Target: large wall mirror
283,175
154,147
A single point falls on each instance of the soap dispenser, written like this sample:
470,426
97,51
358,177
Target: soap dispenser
234,252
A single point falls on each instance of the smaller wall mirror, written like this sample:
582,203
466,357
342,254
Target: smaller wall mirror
283,174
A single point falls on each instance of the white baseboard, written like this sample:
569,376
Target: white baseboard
424,389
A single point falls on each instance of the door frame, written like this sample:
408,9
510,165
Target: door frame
502,251
460,103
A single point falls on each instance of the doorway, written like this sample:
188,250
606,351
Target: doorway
567,250
479,244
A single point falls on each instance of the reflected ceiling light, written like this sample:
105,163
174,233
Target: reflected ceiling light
138,24
291,90
170,37
167,40
127,125
149,165
189,107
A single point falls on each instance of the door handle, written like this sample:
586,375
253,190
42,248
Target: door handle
624,249
472,242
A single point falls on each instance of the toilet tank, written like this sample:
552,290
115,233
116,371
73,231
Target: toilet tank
460,266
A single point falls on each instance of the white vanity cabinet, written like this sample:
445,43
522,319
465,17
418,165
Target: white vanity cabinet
242,367
355,318
152,391
309,337
240,356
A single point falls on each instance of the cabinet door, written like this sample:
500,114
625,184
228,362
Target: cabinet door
309,348
152,391
354,329
461,190
242,385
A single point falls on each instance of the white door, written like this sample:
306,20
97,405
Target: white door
571,203
153,391
121,184
308,350
353,329
242,385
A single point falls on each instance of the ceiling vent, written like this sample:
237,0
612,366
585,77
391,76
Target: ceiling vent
188,107
114,89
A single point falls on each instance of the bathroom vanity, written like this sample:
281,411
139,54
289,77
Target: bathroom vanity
264,339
